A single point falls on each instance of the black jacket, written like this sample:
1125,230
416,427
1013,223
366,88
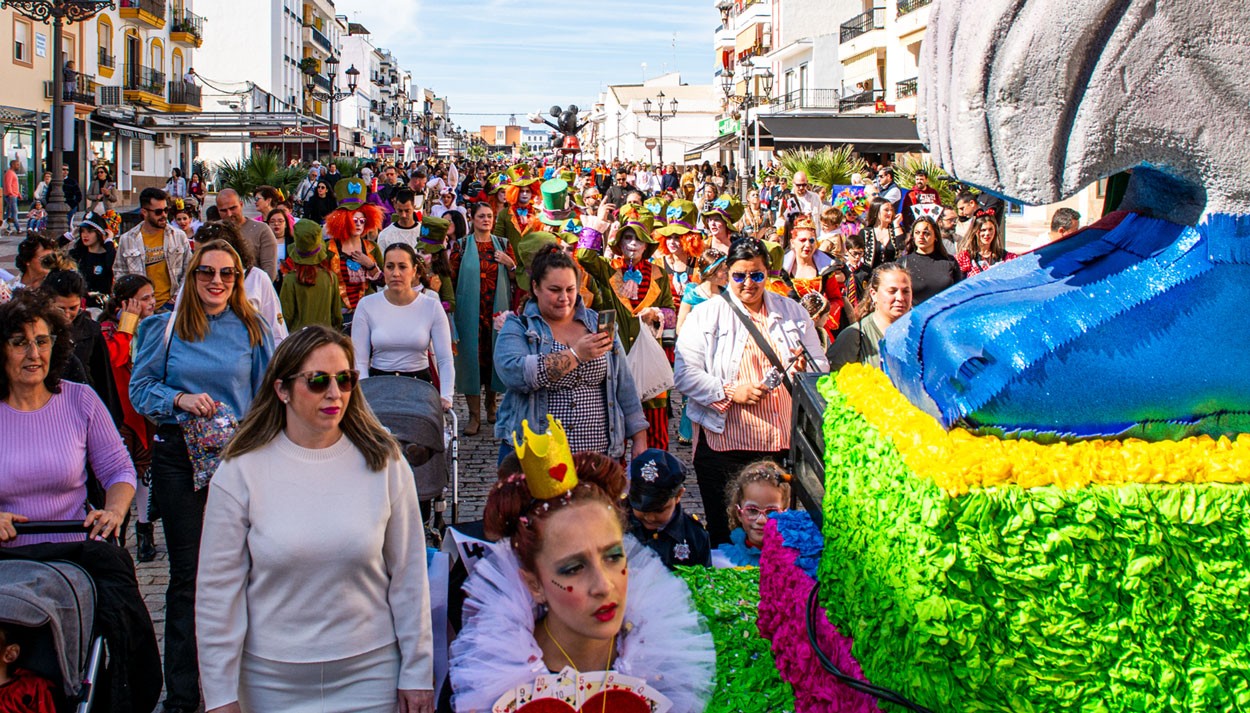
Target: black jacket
683,541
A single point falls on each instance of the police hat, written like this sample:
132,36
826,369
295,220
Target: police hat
654,478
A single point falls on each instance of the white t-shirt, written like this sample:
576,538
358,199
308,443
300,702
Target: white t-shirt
264,298
392,234
393,338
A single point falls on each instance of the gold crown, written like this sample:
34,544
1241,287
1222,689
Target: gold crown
546,460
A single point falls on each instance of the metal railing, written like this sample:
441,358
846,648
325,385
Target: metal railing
864,98
184,93
153,7
907,88
808,99
76,87
188,22
144,79
862,24
906,6
106,59
320,39
322,81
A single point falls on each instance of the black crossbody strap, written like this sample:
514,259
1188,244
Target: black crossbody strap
760,340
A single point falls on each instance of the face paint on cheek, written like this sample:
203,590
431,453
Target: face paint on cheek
568,589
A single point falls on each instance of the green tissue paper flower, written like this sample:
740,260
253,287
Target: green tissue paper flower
1098,600
746,675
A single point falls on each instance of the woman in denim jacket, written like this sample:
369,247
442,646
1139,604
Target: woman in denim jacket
553,361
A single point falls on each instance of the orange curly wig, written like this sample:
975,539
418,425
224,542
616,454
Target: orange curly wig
339,223
693,243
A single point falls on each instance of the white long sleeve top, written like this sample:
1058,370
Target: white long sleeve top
393,338
308,556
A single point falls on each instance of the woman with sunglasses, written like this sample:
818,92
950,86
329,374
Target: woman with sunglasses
737,397
204,359
283,626
396,329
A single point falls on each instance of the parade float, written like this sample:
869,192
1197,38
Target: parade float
1041,504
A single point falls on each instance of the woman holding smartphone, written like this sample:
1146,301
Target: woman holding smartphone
575,371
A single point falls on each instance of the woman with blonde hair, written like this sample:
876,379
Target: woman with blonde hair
281,625
200,366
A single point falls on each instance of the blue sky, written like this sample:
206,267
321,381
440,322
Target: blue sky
505,56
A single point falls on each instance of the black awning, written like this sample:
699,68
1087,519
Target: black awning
694,155
868,133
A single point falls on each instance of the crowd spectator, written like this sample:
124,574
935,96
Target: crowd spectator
256,232
751,497
310,285
931,268
257,286
12,193
889,298
982,248
155,248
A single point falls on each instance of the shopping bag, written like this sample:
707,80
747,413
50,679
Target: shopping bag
653,376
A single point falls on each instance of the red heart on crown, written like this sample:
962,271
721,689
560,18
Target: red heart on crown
558,471
615,700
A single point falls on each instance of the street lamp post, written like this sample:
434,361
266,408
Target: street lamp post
661,115
57,12
333,96
744,103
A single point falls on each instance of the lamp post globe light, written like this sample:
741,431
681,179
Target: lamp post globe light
333,96
742,104
662,114
57,12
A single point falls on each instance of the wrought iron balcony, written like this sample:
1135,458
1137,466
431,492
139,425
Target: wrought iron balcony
106,59
862,24
865,98
77,87
906,6
144,79
150,11
184,93
907,88
808,99
187,23
320,39
322,82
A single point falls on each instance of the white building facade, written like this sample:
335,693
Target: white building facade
623,126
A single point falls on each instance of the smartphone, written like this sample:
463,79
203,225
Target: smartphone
607,322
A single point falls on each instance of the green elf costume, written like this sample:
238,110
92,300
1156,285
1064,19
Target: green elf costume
638,290
432,245
310,286
519,216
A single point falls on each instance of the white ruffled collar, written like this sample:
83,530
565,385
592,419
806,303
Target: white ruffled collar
663,641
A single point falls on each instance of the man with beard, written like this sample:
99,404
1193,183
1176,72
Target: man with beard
157,249
258,233
966,207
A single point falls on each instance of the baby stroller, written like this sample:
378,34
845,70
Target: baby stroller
50,592
412,410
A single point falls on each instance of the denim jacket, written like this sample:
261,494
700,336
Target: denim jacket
522,342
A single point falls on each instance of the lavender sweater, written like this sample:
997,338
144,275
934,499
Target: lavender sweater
44,455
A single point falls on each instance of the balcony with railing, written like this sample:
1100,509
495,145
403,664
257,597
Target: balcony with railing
867,97
906,6
907,88
184,96
77,88
801,99
322,82
187,27
106,60
862,24
144,86
151,12
317,38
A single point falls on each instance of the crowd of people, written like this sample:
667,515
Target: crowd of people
206,346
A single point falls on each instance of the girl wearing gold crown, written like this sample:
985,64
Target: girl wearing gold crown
566,590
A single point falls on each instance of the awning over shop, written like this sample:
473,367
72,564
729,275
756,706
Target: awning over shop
133,132
868,133
696,154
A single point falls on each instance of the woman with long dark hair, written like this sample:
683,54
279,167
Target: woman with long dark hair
931,268
982,247
883,238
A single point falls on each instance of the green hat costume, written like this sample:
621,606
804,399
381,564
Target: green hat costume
556,211
308,247
656,206
433,234
681,217
521,176
529,245
351,193
638,220
728,207
776,257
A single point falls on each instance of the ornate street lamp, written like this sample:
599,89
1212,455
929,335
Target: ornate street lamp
742,104
333,96
661,115
57,12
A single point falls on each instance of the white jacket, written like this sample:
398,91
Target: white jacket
710,346
264,298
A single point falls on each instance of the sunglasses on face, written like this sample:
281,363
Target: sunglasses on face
741,277
204,273
318,382
157,211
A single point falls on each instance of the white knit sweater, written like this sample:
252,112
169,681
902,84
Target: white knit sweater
309,556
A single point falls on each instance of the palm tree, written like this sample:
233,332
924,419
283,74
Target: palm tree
939,180
262,168
826,167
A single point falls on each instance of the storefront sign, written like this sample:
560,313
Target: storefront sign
729,126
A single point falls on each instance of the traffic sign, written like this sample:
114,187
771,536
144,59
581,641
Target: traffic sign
649,143
397,143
